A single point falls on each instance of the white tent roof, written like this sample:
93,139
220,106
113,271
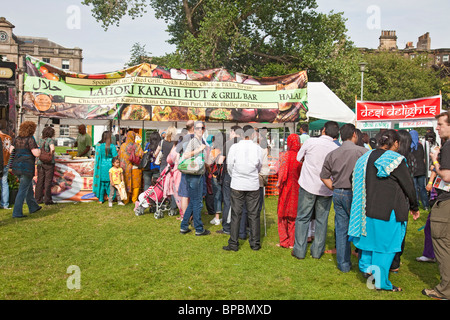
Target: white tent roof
324,104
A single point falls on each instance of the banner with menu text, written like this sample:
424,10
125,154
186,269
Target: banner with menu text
156,93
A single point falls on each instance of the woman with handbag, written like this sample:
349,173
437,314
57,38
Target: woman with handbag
195,155
45,167
105,151
130,154
23,166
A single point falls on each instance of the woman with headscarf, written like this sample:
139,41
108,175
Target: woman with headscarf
132,174
288,174
104,152
151,172
420,172
383,193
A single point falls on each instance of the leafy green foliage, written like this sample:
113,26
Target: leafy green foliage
274,37
392,77
138,55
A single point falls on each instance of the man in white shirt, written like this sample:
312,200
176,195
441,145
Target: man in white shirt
314,196
244,163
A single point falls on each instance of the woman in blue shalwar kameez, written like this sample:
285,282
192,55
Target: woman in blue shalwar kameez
104,152
383,194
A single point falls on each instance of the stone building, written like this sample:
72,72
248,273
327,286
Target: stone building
14,48
388,41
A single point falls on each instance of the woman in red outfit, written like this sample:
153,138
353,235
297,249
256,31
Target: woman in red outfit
288,174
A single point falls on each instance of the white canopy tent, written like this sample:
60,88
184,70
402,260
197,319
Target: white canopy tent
324,104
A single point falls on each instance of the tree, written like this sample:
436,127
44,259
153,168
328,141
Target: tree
258,37
392,77
138,55
275,37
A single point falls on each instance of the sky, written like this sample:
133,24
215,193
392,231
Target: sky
71,24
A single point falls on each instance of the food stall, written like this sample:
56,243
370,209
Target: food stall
151,96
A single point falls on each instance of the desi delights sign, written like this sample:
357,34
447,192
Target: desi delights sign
424,108
156,93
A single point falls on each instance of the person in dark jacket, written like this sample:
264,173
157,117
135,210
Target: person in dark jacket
383,193
420,171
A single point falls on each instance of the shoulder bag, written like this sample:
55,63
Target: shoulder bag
46,156
194,165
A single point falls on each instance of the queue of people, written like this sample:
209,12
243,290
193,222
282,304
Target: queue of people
373,185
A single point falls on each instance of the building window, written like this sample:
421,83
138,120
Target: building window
64,130
66,64
445,58
438,59
46,60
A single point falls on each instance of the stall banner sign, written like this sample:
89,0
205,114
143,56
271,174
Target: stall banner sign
369,125
157,93
415,124
424,108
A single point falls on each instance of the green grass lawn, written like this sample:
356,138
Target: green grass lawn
123,256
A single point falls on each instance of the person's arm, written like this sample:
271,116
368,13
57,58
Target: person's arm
230,159
431,180
302,151
111,178
195,152
36,152
325,173
404,179
265,168
85,151
158,149
52,146
443,173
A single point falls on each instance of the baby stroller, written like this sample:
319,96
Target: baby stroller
154,198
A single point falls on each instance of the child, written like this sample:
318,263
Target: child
116,181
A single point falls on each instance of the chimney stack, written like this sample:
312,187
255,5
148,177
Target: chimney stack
388,40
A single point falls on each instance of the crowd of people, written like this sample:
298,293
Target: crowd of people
373,183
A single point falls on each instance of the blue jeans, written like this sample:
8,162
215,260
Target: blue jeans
195,192
217,192
25,193
226,197
4,203
421,192
342,200
307,204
